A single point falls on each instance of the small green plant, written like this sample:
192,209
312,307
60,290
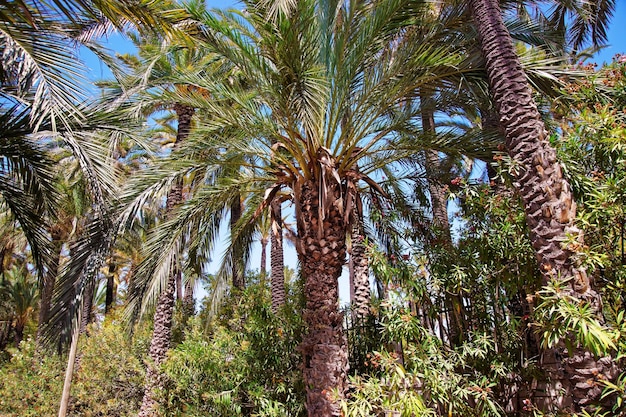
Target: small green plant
244,361
560,316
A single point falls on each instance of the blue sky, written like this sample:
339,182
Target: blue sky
616,39
616,44
616,35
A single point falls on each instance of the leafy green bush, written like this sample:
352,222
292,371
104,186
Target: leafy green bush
244,361
428,378
29,385
107,382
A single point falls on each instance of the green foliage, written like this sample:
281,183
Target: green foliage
30,386
561,318
110,378
20,297
246,362
428,379
107,382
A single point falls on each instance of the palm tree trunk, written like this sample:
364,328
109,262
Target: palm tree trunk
159,345
277,262
179,286
442,236
19,333
236,210
548,203
162,333
322,251
47,289
189,302
110,294
360,271
263,263
87,315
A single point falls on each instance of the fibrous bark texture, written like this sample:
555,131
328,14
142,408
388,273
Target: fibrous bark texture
548,203
277,258
159,345
162,333
550,209
322,251
237,271
111,289
87,315
360,272
49,281
189,301
263,262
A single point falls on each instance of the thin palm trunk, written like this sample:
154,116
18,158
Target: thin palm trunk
159,345
189,301
360,271
442,236
546,194
277,262
111,289
162,333
47,289
87,314
322,251
19,332
179,287
236,209
263,262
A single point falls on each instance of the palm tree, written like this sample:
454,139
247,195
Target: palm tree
323,80
41,84
20,290
546,193
277,260
157,69
73,203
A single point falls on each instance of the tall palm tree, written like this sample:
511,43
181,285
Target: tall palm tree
155,69
277,256
323,80
42,84
546,193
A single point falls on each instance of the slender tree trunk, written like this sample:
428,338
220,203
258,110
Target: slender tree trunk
162,333
360,293
47,289
189,302
19,333
111,289
69,371
159,345
442,235
546,194
263,263
87,314
277,262
438,197
179,287
360,271
322,251
236,210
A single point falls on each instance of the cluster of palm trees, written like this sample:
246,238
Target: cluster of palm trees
329,110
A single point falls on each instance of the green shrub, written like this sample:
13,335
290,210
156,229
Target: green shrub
243,362
30,386
108,380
